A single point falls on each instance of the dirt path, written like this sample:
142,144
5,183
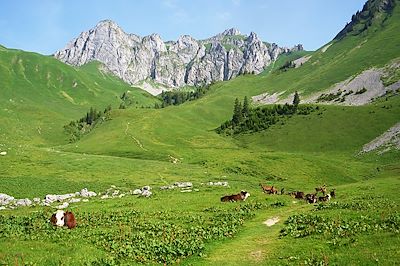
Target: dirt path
255,242
133,137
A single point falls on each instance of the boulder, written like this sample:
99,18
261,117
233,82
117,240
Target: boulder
23,202
137,192
5,199
146,193
86,193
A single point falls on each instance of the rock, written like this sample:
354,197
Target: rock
173,64
146,193
36,200
389,139
219,183
271,221
23,202
74,200
137,192
50,198
3,153
86,193
167,187
5,199
183,184
63,206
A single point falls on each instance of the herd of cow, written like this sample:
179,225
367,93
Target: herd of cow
310,198
66,218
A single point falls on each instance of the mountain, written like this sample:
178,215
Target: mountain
376,11
174,63
138,147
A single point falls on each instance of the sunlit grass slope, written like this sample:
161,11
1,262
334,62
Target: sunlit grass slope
39,94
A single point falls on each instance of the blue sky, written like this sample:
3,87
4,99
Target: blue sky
45,26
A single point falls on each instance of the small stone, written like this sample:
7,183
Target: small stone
137,192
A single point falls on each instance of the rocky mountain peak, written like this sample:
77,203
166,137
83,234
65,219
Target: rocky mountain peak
186,61
231,32
252,37
107,23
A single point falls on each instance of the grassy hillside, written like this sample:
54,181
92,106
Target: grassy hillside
39,94
341,59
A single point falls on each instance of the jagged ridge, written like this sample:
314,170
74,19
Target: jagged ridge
361,21
175,63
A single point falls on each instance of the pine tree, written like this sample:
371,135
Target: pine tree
237,112
246,110
296,99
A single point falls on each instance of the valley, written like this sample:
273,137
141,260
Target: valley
137,145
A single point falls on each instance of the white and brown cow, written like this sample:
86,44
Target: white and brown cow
243,195
61,218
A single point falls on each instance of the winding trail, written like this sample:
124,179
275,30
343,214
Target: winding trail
133,137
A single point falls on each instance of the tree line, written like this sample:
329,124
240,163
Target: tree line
177,97
247,119
77,128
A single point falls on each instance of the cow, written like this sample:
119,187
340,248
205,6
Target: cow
311,198
269,189
321,189
333,193
325,198
297,194
61,218
243,195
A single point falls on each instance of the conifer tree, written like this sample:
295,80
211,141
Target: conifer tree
296,99
237,112
246,110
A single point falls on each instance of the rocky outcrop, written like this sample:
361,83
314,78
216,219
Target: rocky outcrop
175,63
388,140
356,90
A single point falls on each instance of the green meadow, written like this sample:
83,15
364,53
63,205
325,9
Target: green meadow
141,146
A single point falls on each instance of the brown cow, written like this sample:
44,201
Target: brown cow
61,218
269,189
69,220
325,198
297,194
243,195
321,189
311,198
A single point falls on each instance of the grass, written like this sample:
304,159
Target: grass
137,146
284,58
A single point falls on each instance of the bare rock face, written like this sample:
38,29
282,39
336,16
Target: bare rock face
175,63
